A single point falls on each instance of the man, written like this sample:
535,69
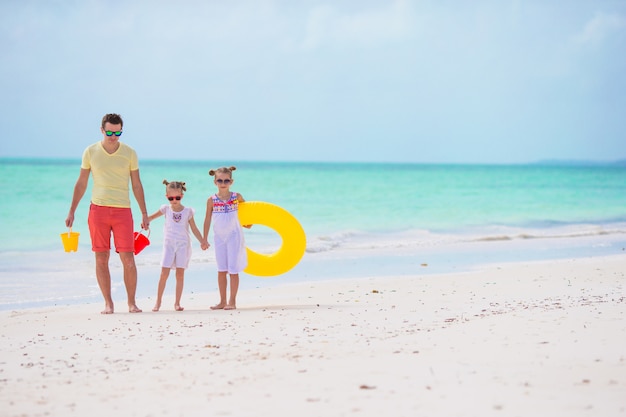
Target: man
111,163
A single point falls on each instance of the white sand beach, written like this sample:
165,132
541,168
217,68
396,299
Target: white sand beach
526,339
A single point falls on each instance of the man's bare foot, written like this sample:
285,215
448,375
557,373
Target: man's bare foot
134,309
219,306
230,307
107,310
179,308
156,307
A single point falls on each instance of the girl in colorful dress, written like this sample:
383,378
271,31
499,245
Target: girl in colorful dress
230,247
176,239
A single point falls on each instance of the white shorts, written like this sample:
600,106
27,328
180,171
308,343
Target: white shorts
176,254
230,255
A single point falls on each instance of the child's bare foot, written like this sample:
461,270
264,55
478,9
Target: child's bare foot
156,307
230,307
134,309
179,308
219,306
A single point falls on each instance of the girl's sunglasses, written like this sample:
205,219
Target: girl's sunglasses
111,133
177,198
226,181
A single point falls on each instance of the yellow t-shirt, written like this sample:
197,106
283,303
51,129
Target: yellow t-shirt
110,173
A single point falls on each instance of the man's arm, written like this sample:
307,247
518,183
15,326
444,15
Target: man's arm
79,191
139,196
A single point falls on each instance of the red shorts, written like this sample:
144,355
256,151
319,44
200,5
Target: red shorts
104,220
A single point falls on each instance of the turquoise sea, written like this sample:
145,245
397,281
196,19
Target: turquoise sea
360,219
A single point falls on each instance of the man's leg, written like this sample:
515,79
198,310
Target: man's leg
104,280
130,279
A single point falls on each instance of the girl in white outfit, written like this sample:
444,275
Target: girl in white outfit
230,247
176,239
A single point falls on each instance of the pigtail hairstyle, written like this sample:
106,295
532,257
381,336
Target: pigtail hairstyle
175,185
223,170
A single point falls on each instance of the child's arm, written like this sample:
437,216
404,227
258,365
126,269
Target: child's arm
197,234
207,219
155,215
241,199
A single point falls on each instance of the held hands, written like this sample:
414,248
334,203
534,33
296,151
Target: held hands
204,245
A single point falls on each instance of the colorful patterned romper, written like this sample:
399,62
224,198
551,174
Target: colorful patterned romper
229,243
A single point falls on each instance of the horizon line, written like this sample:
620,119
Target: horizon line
545,162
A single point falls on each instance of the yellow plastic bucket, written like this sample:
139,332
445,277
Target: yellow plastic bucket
70,241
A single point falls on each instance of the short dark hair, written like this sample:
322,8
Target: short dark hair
114,119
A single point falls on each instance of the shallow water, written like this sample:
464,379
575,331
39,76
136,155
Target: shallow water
360,220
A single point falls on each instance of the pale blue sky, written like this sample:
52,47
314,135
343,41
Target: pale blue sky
400,81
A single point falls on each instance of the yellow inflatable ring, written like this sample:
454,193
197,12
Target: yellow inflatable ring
287,227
